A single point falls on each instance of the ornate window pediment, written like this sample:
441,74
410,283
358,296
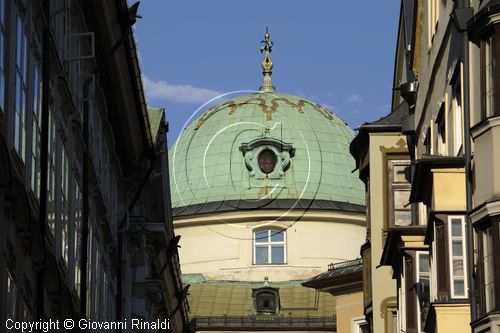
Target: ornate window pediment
267,159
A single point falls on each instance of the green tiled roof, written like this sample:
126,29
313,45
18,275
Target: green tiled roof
232,298
206,163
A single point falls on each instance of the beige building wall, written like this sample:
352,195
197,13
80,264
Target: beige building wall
349,308
220,246
383,286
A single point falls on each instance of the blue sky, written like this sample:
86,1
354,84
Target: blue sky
337,53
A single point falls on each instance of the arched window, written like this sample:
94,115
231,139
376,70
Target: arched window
269,246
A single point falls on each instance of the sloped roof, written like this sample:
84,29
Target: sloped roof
234,298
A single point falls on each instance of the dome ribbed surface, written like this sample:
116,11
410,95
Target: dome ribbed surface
207,165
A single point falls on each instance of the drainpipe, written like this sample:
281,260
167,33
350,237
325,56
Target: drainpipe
44,147
462,14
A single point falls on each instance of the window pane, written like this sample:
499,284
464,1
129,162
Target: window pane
402,217
423,263
401,173
457,248
401,199
261,255
277,236
261,236
459,287
278,255
458,267
456,227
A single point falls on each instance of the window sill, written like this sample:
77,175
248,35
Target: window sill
484,126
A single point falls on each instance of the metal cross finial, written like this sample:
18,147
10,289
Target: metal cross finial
266,46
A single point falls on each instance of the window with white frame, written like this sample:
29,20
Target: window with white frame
21,88
423,280
269,246
457,115
36,130
2,56
488,266
360,326
458,279
433,18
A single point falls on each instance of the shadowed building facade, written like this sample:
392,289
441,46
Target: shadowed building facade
85,222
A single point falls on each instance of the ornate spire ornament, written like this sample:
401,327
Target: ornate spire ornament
267,64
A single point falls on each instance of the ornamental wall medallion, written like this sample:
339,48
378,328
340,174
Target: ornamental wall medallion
267,159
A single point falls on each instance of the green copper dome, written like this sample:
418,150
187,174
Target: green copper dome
264,147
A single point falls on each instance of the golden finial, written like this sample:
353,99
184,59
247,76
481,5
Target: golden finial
267,64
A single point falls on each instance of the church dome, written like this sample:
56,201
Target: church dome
264,150
261,148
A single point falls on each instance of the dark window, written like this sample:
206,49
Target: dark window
488,267
490,76
267,161
441,132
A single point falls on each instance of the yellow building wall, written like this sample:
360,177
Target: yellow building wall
383,286
448,190
452,318
349,307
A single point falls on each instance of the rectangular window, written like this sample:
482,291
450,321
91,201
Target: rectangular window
64,214
2,56
488,73
423,280
269,247
432,19
77,219
457,115
51,205
399,193
488,263
21,89
36,130
456,233
441,132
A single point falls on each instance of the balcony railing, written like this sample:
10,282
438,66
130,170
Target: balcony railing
266,322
